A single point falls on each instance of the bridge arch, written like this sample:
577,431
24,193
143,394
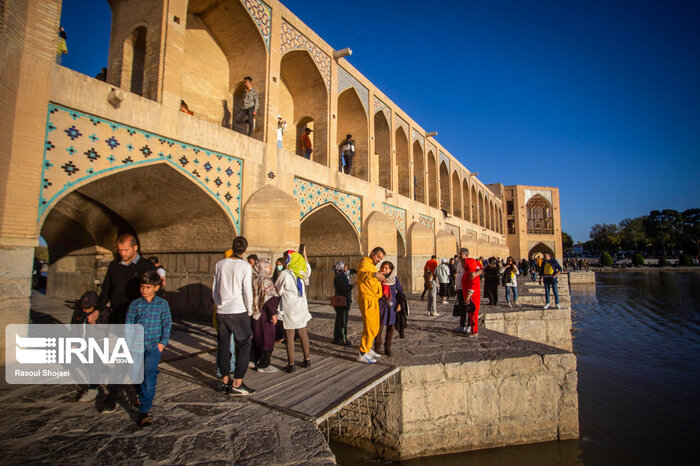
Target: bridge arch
380,231
328,236
402,162
445,198
538,250
466,206
303,102
352,119
185,231
212,87
456,195
419,173
482,218
382,149
432,180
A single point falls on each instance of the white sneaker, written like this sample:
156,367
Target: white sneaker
558,306
436,314
373,354
365,358
268,369
459,329
445,302
518,304
88,396
546,306
509,304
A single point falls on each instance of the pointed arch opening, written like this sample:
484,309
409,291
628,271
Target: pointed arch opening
184,231
328,237
418,173
539,216
352,120
456,195
213,88
402,162
475,207
538,250
466,206
482,218
382,149
445,197
432,180
304,104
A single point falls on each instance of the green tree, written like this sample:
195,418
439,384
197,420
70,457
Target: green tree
690,233
633,234
637,259
684,259
663,261
606,259
567,242
664,227
605,237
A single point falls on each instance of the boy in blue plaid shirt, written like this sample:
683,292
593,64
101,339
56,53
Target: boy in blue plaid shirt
153,314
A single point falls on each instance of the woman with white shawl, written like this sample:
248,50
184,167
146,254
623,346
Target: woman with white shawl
291,286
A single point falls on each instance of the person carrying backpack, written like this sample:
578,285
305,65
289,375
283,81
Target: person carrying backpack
510,282
549,270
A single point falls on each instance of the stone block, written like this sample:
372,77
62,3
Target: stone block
564,362
559,333
420,374
517,366
543,393
468,371
482,399
512,400
568,416
534,330
204,264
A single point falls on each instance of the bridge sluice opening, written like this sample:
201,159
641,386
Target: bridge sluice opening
171,217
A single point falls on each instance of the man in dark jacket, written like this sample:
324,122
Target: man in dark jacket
549,270
122,285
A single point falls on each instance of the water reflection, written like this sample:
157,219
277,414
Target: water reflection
637,340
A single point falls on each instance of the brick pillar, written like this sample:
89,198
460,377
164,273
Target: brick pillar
28,45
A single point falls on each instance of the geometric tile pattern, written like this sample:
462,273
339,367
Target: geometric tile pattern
431,147
419,137
379,105
402,123
453,230
80,146
346,80
311,196
398,215
262,16
471,234
444,158
293,39
427,221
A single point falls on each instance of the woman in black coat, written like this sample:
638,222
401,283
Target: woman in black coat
343,287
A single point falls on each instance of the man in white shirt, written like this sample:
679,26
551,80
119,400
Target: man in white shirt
232,292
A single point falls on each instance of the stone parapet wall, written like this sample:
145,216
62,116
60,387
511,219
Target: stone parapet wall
454,407
549,326
581,277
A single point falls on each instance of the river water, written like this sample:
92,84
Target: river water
637,341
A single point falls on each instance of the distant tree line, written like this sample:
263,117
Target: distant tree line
666,233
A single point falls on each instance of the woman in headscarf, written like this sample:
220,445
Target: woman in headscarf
343,287
279,267
387,307
265,302
291,286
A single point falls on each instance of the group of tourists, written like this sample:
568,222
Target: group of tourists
259,305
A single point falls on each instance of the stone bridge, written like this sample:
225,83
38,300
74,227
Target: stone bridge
91,159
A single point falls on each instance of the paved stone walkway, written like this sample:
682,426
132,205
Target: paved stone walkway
193,423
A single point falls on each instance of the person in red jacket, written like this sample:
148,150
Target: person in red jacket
471,288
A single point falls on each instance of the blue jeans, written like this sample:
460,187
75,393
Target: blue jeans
515,293
307,153
147,389
554,288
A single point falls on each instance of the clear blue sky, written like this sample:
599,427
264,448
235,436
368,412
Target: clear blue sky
599,98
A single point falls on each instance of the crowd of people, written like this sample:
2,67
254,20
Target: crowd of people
259,304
